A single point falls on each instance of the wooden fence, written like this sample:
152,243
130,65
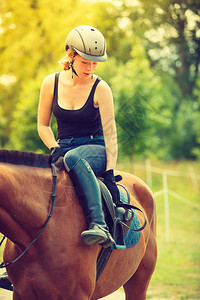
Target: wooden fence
165,191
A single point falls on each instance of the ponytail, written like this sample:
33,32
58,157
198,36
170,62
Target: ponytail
65,61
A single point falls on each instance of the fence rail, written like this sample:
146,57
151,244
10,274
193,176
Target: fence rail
165,191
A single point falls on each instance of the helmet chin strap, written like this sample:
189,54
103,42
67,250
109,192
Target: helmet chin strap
71,66
73,70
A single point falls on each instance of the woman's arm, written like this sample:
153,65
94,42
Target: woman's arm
104,99
45,112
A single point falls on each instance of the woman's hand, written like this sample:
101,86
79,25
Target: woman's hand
56,154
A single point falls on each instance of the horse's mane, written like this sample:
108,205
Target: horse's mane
25,158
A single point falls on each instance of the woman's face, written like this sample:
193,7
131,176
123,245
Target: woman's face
84,68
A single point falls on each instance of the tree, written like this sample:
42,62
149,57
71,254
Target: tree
172,39
153,65
140,105
184,142
32,40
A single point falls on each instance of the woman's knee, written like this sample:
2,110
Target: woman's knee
94,154
71,158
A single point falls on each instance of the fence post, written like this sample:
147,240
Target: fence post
193,178
166,201
148,173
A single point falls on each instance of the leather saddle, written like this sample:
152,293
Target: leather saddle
118,216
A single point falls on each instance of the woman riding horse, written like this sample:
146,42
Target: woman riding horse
59,265
83,106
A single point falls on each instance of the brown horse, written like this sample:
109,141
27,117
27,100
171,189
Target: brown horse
59,266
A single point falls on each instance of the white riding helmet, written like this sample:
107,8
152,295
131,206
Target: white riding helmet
88,42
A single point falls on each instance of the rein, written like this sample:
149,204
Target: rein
53,196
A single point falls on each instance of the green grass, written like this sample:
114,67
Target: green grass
177,274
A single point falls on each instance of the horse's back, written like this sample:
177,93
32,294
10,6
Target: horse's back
140,193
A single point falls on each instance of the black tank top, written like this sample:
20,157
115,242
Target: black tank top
81,122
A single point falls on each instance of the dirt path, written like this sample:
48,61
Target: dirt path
118,295
5,295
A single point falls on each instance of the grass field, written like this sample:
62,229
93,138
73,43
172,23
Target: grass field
177,274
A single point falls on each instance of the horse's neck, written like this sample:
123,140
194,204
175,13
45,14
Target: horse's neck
22,201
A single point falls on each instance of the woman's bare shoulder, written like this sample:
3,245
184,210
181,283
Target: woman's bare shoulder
49,80
47,88
103,89
103,85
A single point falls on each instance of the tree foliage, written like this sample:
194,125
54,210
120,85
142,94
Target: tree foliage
153,69
141,106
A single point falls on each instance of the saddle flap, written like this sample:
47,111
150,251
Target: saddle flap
107,200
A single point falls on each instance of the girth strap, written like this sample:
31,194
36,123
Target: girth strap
102,260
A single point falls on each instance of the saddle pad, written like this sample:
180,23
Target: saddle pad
131,238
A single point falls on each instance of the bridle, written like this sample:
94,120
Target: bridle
53,196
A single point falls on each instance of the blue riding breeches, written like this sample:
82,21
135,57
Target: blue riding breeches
91,148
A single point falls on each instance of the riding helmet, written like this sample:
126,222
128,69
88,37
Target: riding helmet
88,42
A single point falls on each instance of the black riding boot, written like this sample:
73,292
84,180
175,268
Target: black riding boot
90,198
